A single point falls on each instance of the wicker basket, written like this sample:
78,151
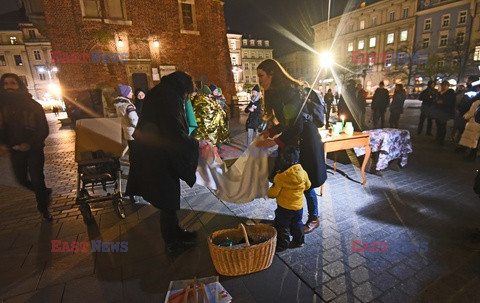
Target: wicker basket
235,261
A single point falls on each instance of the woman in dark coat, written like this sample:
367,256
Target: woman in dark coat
284,97
396,108
166,154
254,109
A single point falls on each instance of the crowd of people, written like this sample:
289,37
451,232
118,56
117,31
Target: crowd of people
438,105
459,106
165,127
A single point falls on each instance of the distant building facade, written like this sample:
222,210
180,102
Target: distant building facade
475,37
135,42
367,39
26,52
444,29
302,65
246,54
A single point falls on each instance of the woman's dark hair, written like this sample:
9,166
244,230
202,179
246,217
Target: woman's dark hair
280,79
21,84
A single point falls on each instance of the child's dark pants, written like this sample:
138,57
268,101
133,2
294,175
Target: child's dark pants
288,222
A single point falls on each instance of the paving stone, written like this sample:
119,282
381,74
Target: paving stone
421,195
19,280
332,254
67,268
91,289
366,292
376,263
142,289
285,288
48,294
330,242
402,271
355,260
384,281
339,285
325,293
396,296
360,274
335,269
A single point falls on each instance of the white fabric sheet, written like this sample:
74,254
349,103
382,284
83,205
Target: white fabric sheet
244,181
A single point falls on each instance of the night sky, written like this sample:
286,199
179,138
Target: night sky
259,18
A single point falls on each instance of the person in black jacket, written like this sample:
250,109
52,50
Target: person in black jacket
428,98
139,98
254,109
380,102
445,105
165,154
23,130
283,98
328,101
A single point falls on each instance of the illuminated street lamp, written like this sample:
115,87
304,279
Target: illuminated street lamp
120,42
54,89
326,60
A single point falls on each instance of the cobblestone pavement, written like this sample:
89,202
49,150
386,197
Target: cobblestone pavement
430,200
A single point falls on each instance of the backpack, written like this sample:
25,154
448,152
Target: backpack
316,107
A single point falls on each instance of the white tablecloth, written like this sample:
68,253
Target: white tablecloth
244,181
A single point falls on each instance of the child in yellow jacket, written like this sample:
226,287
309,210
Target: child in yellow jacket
288,186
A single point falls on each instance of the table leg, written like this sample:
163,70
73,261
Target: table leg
334,162
321,187
368,151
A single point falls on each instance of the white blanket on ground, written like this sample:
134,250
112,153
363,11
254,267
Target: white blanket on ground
244,181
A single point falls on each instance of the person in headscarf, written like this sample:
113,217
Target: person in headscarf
166,154
139,98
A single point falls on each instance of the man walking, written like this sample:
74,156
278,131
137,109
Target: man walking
380,102
428,98
23,130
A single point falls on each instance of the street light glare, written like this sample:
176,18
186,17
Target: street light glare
326,59
54,89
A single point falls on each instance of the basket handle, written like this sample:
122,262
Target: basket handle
244,234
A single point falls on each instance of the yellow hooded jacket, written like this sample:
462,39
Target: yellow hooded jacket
288,187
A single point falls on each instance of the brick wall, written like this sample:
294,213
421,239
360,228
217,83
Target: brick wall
206,54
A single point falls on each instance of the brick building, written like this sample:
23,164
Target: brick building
150,37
